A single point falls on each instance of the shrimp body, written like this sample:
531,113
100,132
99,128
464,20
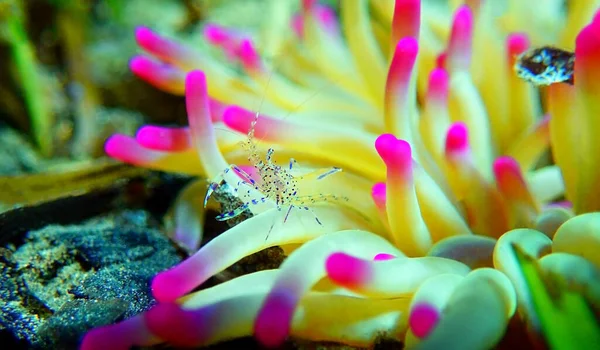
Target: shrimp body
275,183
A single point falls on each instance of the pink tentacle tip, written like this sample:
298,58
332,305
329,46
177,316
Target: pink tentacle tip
459,50
160,74
438,85
412,5
140,65
114,145
402,65
463,20
378,192
163,48
249,56
164,139
407,48
107,337
152,70
125,148
517,43
440,60
297,25
347,271
308,5
406,19
238,118
457,138
587,51
327,18
169,285
195,83
423,319
274,320
596,19
216,34
506,167
174,325
595,23
383,257
197,105
145,37
394,152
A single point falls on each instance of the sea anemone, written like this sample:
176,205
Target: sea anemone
445,168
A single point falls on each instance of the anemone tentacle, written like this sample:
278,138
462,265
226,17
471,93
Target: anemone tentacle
442,148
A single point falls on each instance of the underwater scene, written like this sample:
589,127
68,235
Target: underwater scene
300,174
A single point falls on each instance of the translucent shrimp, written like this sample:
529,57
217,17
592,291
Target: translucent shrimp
275,183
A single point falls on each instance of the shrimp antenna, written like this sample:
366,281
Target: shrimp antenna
262,101
275,62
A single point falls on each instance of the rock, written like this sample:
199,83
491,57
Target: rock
65,280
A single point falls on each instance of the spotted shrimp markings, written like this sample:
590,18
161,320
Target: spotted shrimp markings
275,183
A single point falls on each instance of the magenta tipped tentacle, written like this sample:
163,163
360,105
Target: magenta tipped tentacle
423,318
378,193
458,56
348,271
406,21
586,87
249,56
224,38
400,91
371,277
166,50
162,76
487,212
516,43
397,156
435,120
403,212
297,25
120,336
457,139
301,270
216,34
175,325
437,89
483,289
240,119
511,183
242,240
383,256
201,127
324,15
125,148
160,138
273,323
440,61
223,319
427,305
